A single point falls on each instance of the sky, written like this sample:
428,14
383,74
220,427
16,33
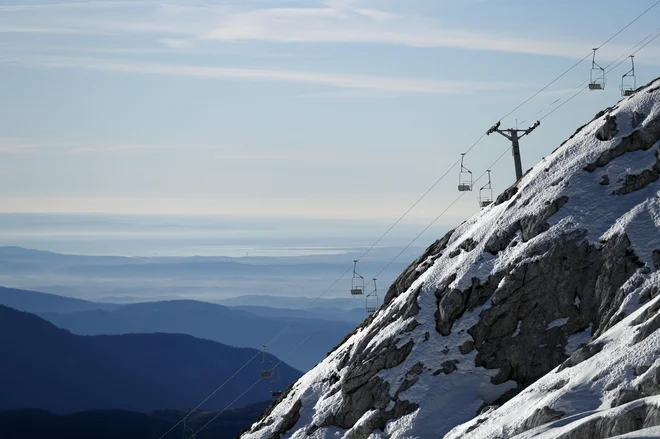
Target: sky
289,108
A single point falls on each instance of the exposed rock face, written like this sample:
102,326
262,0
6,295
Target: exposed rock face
538,281
417,268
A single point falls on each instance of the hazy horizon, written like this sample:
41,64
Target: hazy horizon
190,235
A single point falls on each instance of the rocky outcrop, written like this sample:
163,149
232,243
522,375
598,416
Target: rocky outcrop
417,268
635,182
639,140
540,280
625,419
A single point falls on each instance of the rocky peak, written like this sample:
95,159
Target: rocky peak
559,276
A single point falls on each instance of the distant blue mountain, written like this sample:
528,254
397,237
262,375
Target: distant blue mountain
36,302
219,323
49,368
114,424
353,315
213,322
289,302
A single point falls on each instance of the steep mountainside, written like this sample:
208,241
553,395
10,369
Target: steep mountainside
562,270
48,368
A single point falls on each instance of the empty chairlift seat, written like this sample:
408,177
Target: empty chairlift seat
486,194
464,177
629,80
357,282
266,365
371,301
597,75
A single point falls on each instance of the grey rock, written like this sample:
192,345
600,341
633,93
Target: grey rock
642,139
466,347
582,354
635,182
638,118
648,328
506,195
637,417
641,370
541,416
624,396
650,385
608,130
417,268
449,366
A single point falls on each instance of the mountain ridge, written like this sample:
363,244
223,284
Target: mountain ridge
563,259
49,368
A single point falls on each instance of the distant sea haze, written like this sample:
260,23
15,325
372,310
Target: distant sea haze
164,235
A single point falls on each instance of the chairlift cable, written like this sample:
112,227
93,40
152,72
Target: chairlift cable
348,269
581,60
607,67
584,82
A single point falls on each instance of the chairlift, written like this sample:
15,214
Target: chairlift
597,75
266,365
629,85
357,282
371,301
486,194
188,432
275,383
464,177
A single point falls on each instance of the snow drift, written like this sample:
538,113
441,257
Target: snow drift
538,317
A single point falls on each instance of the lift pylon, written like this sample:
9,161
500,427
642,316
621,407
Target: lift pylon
357,282
597,75
514,135
629,86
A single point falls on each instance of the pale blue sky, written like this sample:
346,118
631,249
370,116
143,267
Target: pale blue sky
337,108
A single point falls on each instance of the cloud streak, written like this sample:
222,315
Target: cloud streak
180,25
362,82
210,152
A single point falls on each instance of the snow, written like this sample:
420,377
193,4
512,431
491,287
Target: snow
516,333
448,402
646,433
587,389
577,340
557,323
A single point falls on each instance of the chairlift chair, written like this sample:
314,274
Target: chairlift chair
629,85
464,177
597,75
266,365
371,301
275,383
357,282
188,432
486,194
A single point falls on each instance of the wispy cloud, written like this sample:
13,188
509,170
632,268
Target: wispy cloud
208,152
363,82
180,25
21,146
76,5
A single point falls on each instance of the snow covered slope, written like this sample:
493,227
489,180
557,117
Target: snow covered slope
538,317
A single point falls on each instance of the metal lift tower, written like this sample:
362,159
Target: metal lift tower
514,135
